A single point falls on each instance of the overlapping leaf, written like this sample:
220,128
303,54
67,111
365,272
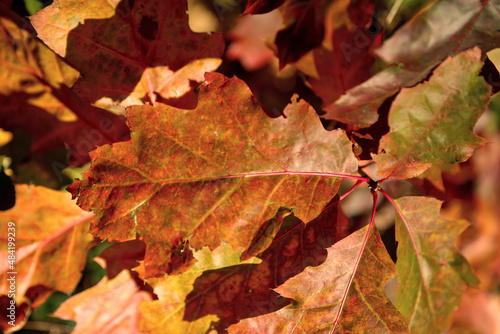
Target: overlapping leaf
432,274
112,43
35,96
262,6
443,29
293,248
163,85
167,313
124,255
109,307
432,123
346,57
319,294
215,173
304,29
359,105
51,243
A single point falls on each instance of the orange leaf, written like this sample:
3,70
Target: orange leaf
215,173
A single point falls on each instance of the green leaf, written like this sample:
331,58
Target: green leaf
216,173
319,293
432,122
432,273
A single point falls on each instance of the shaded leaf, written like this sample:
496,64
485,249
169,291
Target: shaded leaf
25,60
262,6
304,29
433,174
109,307
359,105
51,241
125,255
223,167
431,272
265,235
113,43
34,95
432,122
346,57
445,28
166,314
295,247
319,292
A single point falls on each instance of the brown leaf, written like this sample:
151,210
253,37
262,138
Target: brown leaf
244,291
223,167
346,57
326,300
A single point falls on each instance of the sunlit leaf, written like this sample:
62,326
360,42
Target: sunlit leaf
326,300
215,173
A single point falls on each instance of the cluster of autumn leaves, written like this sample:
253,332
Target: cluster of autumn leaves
232,216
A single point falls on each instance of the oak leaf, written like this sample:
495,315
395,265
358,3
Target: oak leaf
293,248
432,122
224,167
345,294
432,273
